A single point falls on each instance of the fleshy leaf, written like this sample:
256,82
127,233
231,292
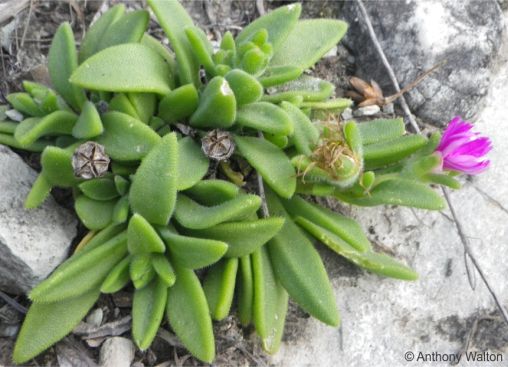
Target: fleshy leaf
31,129
309,40
142,237
173,19
94,214
188,314
308,285
246,88
242,237
47,323
376,131
190,252
306,135
62,62
82,272
212,192
375,262
117,278
273,165
194,216
265,117
219,287
391,151
126,138
89,123
99,189
141,270
131,67
164,269
270,302
192,163
148,307
278,23
180,103
245,290
153,190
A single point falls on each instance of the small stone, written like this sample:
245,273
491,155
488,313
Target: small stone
347,114
367,111
95,317
388,109
331,53
117,351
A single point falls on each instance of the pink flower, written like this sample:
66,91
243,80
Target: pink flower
463,150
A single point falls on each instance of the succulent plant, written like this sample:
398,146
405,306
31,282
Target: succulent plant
203,158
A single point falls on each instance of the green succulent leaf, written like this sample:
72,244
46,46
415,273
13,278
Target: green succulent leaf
89,124
95,214
245,290
47,323
82,272
121,210
191,252
62,62
212,192
178,104
310,89
377,263
192,164
144,104
194,216
130,67
57,166
98,30
276,75
217,106
164,269
397,192
118,277
141,270
189,316
242,237
31,129
38,146
174,19
201,48
126,138
24,103
308,285
219,287
271,163
148,307
129,28
391,151
270,302
278,24
38,193
121,103
265,117
379,130
142,237
165,53
306,135
99,189
246,88
346,228
309,40
101,237
153,190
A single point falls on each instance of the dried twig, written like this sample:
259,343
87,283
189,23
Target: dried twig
387,65
13,303
465,242
29,16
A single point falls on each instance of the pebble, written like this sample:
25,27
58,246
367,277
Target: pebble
118,352
389,109
347,114
367,111
95,317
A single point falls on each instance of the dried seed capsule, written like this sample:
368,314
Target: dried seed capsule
218,145
90,160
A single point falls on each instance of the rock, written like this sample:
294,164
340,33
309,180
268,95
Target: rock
382,319
347,114
416,35
95,317
367,111
118,352
32,242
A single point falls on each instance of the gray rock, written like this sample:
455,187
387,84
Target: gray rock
382,319
118,352
389,109
416,35
347,114
367,111
32,242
